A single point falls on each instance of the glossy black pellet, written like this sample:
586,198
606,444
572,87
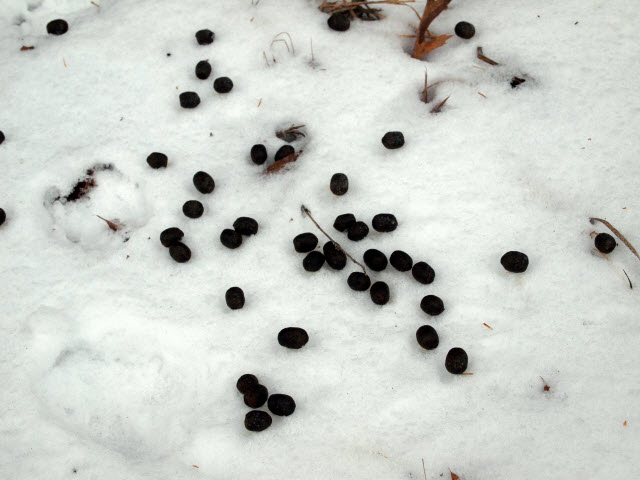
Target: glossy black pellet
516,262
344,221
293,337
230,238
605,242
379,292
423,273
401,261
203,69
465,30
57,27
189,100
170,236
393,140
427,337
245,226
204,182
339,184
234,298
334,257
180,252
257,421
359,282
205,37
432,305
258,154
384,222
157,160
256,396
305,242
281,404
357,231
193,209
375,260
245,382
456,361
313,261
222,85
340,22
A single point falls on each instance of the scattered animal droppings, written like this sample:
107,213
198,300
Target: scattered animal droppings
293,337
257,421
432,305
359,282
281,404
334,257
357,231
230,238
180,252
313,262
245,226
170,236
234,298
423,273
203,69
205,37
379,293
283,152
57,27
189,100
193,209
256,396
465,30
344,221
245,382
375,260
384,222
258,154
516,262
605,242
339,184
456,361
222,85
401,261
427,337
339,22
393,140
157,160
204,182
305,242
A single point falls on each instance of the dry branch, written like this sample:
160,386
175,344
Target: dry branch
482,57
432,9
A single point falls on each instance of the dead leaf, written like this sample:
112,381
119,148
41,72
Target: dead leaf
453,475
277,166
112,225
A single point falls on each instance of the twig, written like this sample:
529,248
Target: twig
630,284
293,50
440,105
482,95
265,58
95,4
432,9
426,95
424,470
337,245
482,57
312,57
616,233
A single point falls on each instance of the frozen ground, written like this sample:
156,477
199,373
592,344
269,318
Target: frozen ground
117,362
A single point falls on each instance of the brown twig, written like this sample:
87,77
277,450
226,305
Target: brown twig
437,108
616,233
482,57
432,9
24,48
424,470
337,245
425,98
630,284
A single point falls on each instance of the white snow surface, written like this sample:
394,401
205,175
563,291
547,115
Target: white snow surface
117,362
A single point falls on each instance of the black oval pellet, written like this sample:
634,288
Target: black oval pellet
432,305
401,261
339,22
3,216
57,27
170,236
357,231
393,140
222,85
2,137
230,238
258,154
359,282
246,382
605,242
339,184
203,69
427,337
313,261
157,160
204,182
379,293
293,337
384,222
281,404
516,262
245,226
456,361
344,221
256,396
189,100
283,152
375,260
334,257
234,298
465,30
423,273
257,421
193,209
205,37
305,242
180,252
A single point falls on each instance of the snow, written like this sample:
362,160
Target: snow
116,361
